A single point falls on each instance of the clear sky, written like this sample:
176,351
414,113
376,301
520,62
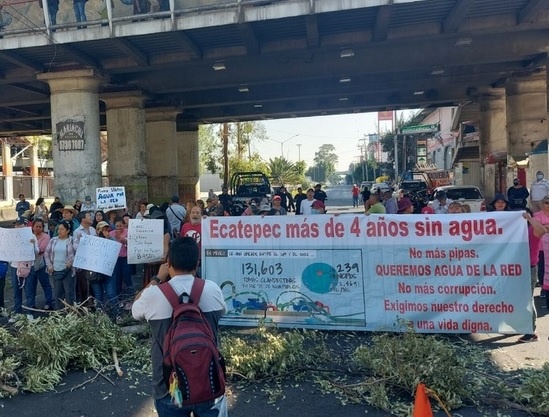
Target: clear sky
342,131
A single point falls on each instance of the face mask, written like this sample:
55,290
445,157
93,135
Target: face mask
315,211
539,177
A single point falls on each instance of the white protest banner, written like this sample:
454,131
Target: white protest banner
97,254
15,244
145,240
463,273
110,198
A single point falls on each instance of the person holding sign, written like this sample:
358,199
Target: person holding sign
59,255
106,286
20,272
122,270
39,274
85,228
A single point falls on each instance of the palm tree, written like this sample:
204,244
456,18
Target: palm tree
287,171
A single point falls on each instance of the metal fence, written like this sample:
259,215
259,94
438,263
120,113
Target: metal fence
30,16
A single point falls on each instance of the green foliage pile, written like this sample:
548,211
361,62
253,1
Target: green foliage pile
380,370
383,370
267,353
36,357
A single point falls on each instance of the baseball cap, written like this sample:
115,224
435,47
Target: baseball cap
277,197
21,220
101,225
318,204
88,198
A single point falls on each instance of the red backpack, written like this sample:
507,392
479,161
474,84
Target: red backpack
193,366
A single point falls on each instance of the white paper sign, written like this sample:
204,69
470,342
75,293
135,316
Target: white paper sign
97,254
145,240
110,198
15,244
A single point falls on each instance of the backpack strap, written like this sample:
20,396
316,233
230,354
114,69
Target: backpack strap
196,290
173,298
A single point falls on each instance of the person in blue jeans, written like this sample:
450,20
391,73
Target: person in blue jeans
17,279
104,290
38,273
80,11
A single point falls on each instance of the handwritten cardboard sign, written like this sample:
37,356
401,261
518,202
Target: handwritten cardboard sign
97,254
110,198
145,241
15,244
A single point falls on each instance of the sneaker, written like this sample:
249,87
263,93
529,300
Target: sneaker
47,307
11,320
527,338
30,317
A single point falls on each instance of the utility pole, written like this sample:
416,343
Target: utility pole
364,155
299,152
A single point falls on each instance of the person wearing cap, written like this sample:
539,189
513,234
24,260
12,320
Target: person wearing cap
277,205
175,214
68,213
104,290
286,199
307,204
215,208
88,205
318,207
320,194
538,189
59,255
86,228
22,205
375,206
264,209
441,203
17,279
499,203
355,191
405,206
517,195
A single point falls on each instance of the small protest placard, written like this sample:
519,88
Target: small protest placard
97,254
15,244
110,198
145,240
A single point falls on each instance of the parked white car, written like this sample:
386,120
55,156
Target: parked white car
383,186
463,194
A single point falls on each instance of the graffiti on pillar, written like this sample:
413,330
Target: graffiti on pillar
70,134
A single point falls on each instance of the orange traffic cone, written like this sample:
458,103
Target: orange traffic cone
422,406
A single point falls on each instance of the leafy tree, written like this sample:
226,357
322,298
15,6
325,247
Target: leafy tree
241,135
287,171
325,162
209,148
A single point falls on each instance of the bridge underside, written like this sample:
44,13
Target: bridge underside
281,59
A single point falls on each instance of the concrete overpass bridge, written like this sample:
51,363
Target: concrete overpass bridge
150,79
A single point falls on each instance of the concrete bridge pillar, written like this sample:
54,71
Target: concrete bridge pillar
526,113
127,165
162,153
493,136
188,163
75,132
7,171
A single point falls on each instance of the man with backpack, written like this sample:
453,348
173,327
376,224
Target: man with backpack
179,386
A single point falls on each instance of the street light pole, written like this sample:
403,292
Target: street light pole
299,152
282,143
